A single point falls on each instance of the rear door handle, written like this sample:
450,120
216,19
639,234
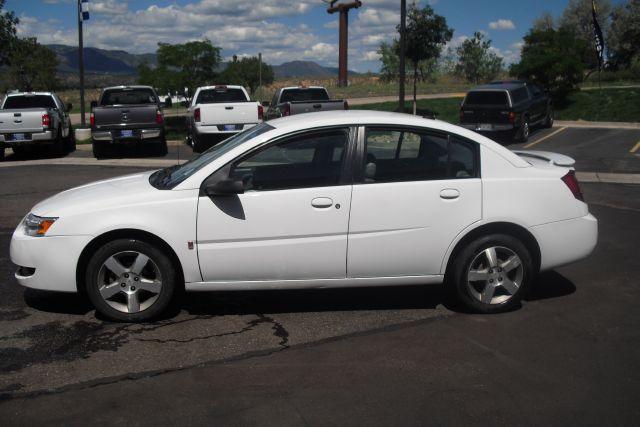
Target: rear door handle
322,202
228,108
449,194
317,105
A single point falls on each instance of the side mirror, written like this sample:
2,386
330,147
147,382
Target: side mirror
94,104
265,103
225,187
69,106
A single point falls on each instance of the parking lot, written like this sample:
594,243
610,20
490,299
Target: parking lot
571,354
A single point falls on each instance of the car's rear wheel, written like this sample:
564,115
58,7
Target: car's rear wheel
71,140
130,280
548,122
2,153
492,273
524,131
59,144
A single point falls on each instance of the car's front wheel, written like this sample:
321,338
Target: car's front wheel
523,133
492,273
130,280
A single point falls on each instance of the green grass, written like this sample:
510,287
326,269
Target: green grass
612,105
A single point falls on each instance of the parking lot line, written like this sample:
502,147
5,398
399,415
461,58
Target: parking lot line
635,147
531,144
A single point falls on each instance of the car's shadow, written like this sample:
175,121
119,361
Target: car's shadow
548,285
43,153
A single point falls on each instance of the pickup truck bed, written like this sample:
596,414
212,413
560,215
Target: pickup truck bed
298,100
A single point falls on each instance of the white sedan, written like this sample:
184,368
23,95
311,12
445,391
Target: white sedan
335,199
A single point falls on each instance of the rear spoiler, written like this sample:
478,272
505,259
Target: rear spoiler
553,158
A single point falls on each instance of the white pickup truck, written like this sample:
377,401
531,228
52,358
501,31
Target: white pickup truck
218,112
34,119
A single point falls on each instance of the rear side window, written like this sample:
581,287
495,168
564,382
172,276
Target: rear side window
487,97
220,95
128,97
29,101
396,155
309,160
304,94
519,95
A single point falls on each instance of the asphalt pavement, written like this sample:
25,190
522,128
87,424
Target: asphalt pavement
569,355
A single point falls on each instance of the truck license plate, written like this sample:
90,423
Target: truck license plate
229,127
484,126
18,137
126,133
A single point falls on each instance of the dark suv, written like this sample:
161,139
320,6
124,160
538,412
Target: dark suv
506,109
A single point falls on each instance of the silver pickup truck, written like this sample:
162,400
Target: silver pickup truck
288,101
34,119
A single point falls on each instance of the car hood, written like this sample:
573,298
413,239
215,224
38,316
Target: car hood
98,195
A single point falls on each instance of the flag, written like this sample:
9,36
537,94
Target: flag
84,8
597,34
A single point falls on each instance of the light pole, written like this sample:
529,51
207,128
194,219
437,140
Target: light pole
401,71
83,15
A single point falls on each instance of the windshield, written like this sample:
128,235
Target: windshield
301,94
128,96
218,95
29,101
168,178
486,97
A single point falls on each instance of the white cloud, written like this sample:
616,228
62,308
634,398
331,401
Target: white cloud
502,24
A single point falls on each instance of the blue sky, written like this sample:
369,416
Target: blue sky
282,30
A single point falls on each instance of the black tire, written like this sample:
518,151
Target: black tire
464,289
71,141
100,150
59,145
20,152
198,147
525,129
548,121
169,279
2,148
162,148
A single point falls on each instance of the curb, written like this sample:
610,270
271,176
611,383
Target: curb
596,125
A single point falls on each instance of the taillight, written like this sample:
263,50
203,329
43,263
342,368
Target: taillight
346,105
286,110
92,119
512,117
260,112
196,114
46,120
159,118
572,182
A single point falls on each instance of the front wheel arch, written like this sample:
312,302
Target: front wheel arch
127,233
508,228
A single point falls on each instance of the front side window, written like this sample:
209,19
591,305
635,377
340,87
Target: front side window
519,95
397,155
309,160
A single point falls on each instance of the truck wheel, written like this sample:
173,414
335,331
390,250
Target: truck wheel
1,153
523,132
59,144
548,122
71,140
100,151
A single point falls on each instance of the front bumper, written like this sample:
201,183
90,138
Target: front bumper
48,262
33,138
137,135
564,242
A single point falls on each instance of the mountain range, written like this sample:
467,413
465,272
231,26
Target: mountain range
120,62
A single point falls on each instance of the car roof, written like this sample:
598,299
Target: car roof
128,87
500,85
220,86
29,93
303,87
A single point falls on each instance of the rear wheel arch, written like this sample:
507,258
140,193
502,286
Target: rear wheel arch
509,228
127,233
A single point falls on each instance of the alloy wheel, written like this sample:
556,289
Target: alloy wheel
130,281
495,275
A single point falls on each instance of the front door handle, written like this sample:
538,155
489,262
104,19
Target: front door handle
322,202
449,194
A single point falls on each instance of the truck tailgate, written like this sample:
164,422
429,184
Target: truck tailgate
228,113
299,107
127,115
23,120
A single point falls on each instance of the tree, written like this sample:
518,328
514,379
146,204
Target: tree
8,22
624,35
577,18
544,22
32,66
476,61
426,34
189,65
552,59
389,57
246,72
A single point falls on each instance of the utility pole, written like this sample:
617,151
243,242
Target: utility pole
401,71
343,46
260,75
83,14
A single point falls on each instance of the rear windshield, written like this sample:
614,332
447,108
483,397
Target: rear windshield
217,95
29,101
486,97
128,97
300,94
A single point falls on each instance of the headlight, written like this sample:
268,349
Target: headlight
37,226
